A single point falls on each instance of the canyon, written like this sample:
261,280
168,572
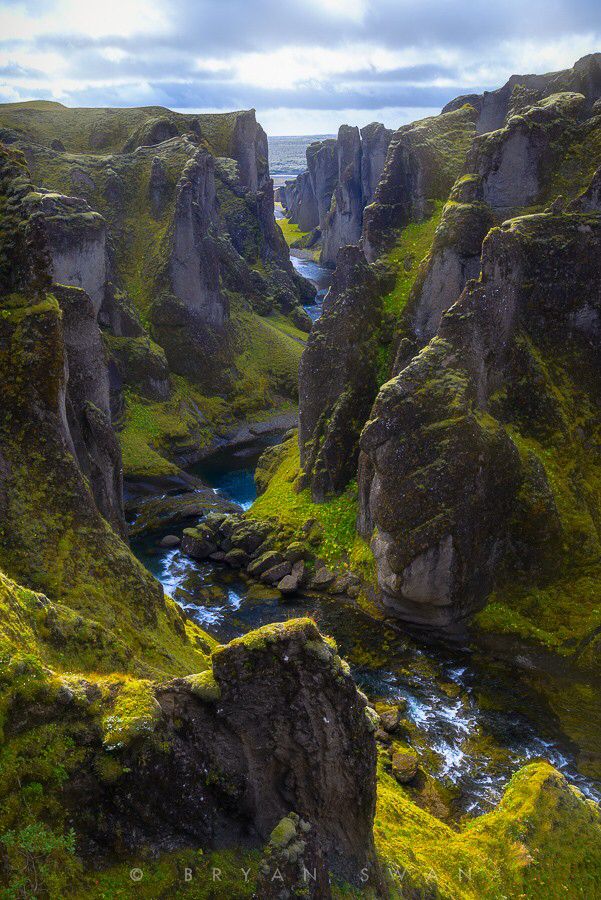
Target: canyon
442,473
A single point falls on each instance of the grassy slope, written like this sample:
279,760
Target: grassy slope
105,130
266,358
334,520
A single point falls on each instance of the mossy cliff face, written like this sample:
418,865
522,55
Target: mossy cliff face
515,162
483,416
340,181
213,760
166,222
334,402
543,840
461,449
423,161
120,732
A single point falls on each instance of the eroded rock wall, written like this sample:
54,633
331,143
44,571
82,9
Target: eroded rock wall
338,375
446,483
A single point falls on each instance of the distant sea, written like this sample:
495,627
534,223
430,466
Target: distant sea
287,154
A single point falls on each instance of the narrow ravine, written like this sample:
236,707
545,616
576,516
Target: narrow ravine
472,725
305,265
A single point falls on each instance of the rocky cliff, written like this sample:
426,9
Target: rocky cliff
166,222
145,733
488,365
335,403
340,181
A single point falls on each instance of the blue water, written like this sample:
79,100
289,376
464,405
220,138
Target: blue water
319,276
452,696
232,472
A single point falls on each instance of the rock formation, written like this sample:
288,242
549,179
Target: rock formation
143,753
336,401
171,228
524,90
452,487
492,367
340,181
423,161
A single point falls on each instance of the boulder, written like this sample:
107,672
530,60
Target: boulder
291,583
276,573
267,560
404,765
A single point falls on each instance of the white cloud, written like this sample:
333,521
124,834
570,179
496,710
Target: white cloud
326,121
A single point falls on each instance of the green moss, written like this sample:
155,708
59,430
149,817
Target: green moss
266,359
283,324
205,686
334,520
134,713
541,842
283,832
294,237
412,245
102,130
154,430
193,874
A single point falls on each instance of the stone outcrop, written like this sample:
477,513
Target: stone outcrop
87,403
453,494
375,139
423,161
340,180
453,259
275,728
76,241
338,377
494,106
193,265
515,162
163,235
342,225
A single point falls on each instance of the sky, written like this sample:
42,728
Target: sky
306,66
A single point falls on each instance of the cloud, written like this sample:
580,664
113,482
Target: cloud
325,56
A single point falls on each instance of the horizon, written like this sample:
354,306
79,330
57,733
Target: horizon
322,65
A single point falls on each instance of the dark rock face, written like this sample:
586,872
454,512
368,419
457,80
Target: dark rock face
193,267
322,165
375,139
277,728
423,161
342,225
249,149
340,181
300,203
448,494
494,106
87,402
337,376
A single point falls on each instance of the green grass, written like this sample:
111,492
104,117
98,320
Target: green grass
415,241
283,324
543,841
339,544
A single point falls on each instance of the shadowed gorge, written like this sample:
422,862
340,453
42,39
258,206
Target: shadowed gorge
300,502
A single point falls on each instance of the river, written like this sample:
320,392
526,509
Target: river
473,721
319,276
